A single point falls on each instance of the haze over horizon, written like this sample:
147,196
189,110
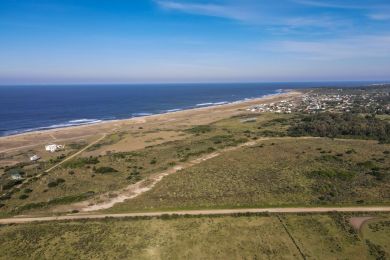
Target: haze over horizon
150,41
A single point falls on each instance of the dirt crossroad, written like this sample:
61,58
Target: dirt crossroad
19,220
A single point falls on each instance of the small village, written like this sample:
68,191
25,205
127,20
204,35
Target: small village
329,101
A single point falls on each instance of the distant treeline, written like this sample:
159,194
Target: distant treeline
342,125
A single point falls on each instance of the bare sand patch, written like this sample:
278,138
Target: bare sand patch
357,222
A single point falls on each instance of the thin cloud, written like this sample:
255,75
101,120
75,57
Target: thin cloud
375,10
336,49
255,14
223,11
379,16
330,4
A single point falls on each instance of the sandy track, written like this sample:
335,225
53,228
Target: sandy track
17,220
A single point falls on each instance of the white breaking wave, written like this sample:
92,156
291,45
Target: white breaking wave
211,104
174,110
141,114
76,122
83,121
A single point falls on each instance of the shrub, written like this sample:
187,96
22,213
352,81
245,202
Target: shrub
57,201
134,176
376,250
59,180
367,164
210,149
379,175
105,169
6,196
28,190
23,196
80,162
200,129
153,161
11,183
331,174
76,146
55,183
222,139
52,184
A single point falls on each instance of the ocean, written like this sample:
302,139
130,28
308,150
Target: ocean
31,108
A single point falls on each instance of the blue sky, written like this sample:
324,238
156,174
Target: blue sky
120,41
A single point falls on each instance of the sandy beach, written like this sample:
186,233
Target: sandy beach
169,122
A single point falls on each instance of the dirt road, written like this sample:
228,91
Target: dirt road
17,220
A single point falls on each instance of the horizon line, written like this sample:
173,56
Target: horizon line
187,83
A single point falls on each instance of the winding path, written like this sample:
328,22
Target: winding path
17,220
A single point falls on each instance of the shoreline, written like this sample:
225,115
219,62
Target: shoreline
186,117
48,129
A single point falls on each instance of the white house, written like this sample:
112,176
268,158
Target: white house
53,147
34,158
16,176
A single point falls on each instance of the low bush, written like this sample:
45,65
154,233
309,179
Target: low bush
81,162
55,183
105,169
200,129
23,196
332,174
153,161
11,183
367,164
56,201
52,184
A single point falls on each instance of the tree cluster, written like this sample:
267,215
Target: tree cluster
348,125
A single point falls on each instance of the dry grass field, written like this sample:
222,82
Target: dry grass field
277,172
317,236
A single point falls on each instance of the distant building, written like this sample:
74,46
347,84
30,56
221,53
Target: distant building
16,176
53,147
34,158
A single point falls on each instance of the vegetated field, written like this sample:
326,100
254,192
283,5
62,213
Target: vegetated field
332,237
277,172
318,236
83,177
376,233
